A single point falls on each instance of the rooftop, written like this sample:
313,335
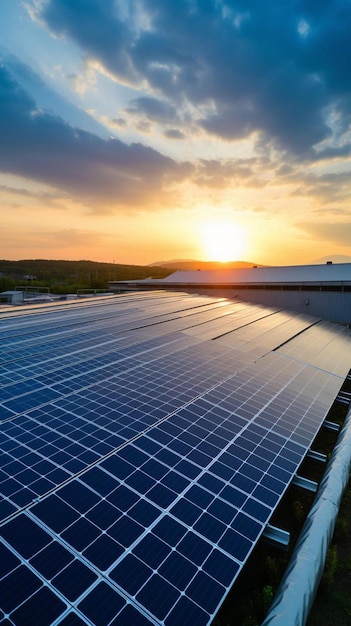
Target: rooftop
315,274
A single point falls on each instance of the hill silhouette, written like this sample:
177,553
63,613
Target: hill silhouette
191,264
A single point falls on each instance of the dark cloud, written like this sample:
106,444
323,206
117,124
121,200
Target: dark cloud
120,122
98,172
229,123
154,109
271,67
174,133
97,28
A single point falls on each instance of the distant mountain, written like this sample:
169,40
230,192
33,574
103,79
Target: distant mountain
335,258
182,264
173,261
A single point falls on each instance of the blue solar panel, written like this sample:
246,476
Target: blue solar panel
149,466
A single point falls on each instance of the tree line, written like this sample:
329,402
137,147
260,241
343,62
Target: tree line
68,276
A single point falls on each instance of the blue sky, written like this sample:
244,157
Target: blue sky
132,130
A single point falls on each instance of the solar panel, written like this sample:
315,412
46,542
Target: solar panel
137,482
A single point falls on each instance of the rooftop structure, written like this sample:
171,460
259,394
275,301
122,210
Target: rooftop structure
11,297
320,290
147,440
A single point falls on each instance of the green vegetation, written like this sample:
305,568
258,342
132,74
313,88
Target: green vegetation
332,604
69,276
267,596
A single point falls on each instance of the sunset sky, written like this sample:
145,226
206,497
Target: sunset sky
137,131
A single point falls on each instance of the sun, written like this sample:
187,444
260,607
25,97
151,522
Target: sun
223,240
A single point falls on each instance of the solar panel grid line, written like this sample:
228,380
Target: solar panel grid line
25,610
22,343
181,320
88,303
70,592
46,448
74,336
44,327
72,319
266,340
242,318
21,314
102,368
30,309
320,336
184,307
79,334
189,309
13,506
63,354
76,357
30,333
24,564
252,320
278,413
228,308
193,303
63,436
333,358
219,432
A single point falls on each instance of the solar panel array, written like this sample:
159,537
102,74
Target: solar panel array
146,441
